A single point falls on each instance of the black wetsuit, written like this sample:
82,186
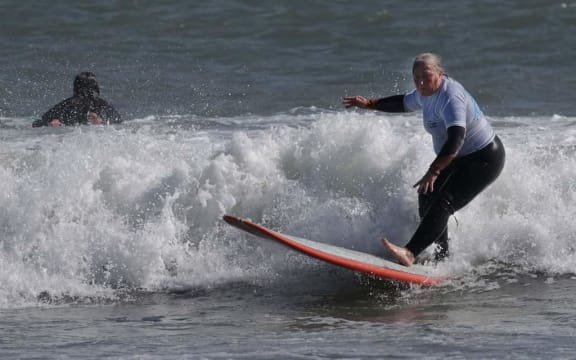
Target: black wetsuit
74,111
455,186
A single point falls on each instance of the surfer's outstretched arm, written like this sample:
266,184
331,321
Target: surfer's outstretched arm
394,103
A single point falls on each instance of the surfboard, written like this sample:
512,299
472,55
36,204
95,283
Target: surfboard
347,258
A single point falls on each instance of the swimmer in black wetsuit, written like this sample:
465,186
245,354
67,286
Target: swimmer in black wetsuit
469,155
85,107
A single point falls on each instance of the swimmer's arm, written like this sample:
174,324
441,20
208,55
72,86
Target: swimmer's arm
56,116
111,115
48,119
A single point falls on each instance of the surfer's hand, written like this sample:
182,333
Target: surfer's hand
358,101
426,184
55,122
95,119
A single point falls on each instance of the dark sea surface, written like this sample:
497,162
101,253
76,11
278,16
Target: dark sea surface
111,239
226,58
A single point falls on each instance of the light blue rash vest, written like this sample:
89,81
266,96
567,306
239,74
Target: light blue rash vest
451,105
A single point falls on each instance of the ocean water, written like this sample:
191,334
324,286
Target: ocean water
111,238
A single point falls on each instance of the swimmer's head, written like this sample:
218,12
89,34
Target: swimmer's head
85,85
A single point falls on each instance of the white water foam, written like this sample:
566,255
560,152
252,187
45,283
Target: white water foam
86,211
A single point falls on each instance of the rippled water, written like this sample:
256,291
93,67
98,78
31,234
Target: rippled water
111,243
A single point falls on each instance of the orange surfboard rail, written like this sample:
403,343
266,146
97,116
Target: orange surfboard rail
385,269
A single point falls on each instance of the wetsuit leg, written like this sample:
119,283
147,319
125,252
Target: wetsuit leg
425,201
435,210
460,183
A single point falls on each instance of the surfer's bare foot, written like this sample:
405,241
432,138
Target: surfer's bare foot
403,255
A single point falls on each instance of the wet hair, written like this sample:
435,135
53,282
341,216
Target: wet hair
430,59
85,85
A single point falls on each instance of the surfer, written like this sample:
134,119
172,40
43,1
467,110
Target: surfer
84,107
469,155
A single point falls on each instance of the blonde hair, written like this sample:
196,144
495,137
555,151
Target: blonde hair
430,59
